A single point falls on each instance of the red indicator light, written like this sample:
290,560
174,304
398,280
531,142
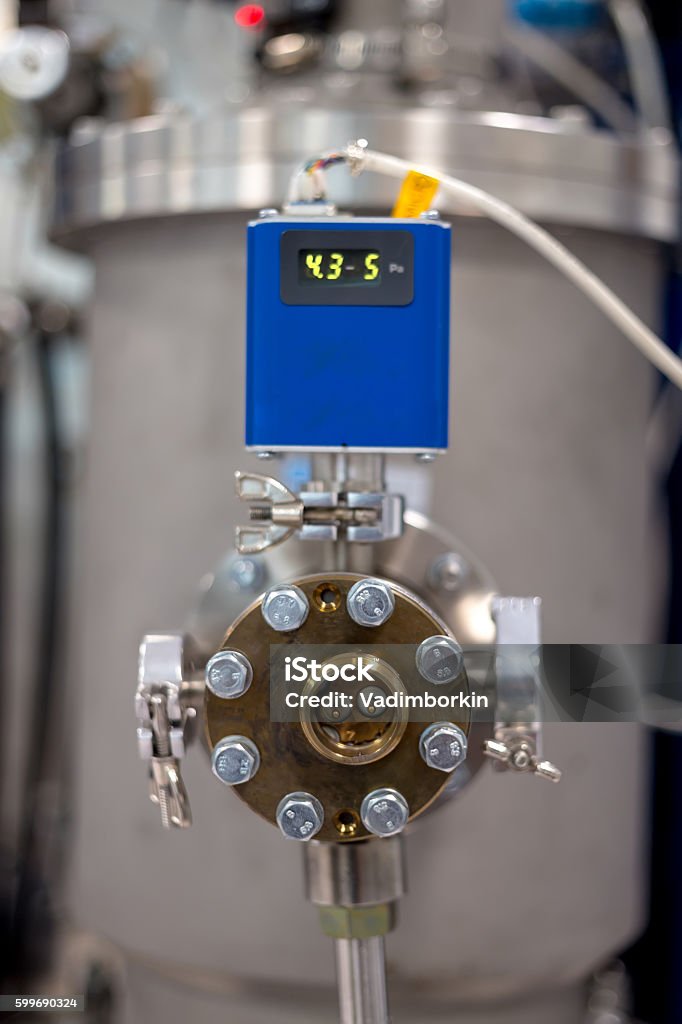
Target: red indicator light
249,16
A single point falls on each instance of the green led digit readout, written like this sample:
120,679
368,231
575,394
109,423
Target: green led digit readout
340,267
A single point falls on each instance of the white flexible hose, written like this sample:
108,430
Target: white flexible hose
648,343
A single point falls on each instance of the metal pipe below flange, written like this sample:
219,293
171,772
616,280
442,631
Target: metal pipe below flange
354,874
356,887
361,977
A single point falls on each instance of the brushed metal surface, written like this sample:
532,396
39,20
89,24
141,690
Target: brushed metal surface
547,482
242,159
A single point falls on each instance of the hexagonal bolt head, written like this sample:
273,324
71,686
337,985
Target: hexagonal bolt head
229,674
285,608
370,602
439,659
384,812
235,759
299,816
443,745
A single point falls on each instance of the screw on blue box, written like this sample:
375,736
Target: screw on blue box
348,334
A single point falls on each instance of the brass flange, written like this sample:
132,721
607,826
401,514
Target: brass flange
289,760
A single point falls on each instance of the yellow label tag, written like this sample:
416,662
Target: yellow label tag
416,195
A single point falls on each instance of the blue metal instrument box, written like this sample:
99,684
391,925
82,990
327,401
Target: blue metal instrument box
348,324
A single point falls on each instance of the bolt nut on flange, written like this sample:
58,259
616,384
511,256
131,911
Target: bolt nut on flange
235,759
285,608
439,659
229,674
443,745
384,812
370,602
299,816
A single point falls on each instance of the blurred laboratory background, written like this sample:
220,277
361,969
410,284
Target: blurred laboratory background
137,139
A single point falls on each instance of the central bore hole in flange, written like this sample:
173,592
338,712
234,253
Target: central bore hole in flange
352,734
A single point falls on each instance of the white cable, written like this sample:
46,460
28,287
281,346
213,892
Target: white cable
641,336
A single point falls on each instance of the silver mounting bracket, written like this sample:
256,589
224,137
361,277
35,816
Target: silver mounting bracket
518,730
162,720
277,514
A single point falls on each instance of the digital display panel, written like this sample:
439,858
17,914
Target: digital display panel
321,266
339,267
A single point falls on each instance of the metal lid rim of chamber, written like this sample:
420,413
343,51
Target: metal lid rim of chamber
178,164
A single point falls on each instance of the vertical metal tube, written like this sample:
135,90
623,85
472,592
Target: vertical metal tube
361,977
363,880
